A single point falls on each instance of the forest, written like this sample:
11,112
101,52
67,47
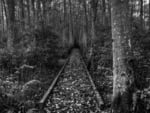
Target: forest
37,37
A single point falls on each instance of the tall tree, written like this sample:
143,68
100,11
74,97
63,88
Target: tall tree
11,21
94,5
1,16
28,8
104,12
141,13
149,14
109,11
22,13
70,24
122,55
86,16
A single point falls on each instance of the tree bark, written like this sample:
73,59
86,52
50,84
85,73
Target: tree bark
70,25
86,16
11,21
104,12
149,15
28,9
131,14
141,13
109,11
65,13
122,55
1,22
94,5
22,15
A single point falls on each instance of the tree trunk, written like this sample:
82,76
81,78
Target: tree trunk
104,12
109,11
94,5
131,14
11,21
70,25
71,16
149,15
33,10
3,22
65,13
122,55
5,12
1,26
141,13
28,8
22,15
44,11
86,16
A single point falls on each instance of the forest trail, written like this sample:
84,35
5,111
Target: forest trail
74,91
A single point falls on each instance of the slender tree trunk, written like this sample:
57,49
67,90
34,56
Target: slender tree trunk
11,20
70,25
44,11
71,16
65,13
104,12
28,9
33,12
3,22
86,16
6,13
141,13
22,14
122,55
131,14
65,25
1,16
0,11
149,15
94,5
109,11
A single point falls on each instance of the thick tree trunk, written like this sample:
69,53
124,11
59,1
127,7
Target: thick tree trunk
122,73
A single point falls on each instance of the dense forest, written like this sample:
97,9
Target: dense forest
36,37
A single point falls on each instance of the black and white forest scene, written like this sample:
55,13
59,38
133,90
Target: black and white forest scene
74,56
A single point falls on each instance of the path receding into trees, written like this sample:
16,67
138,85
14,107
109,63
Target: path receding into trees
73,90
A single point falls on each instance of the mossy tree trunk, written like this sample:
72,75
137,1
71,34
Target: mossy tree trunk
122,55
